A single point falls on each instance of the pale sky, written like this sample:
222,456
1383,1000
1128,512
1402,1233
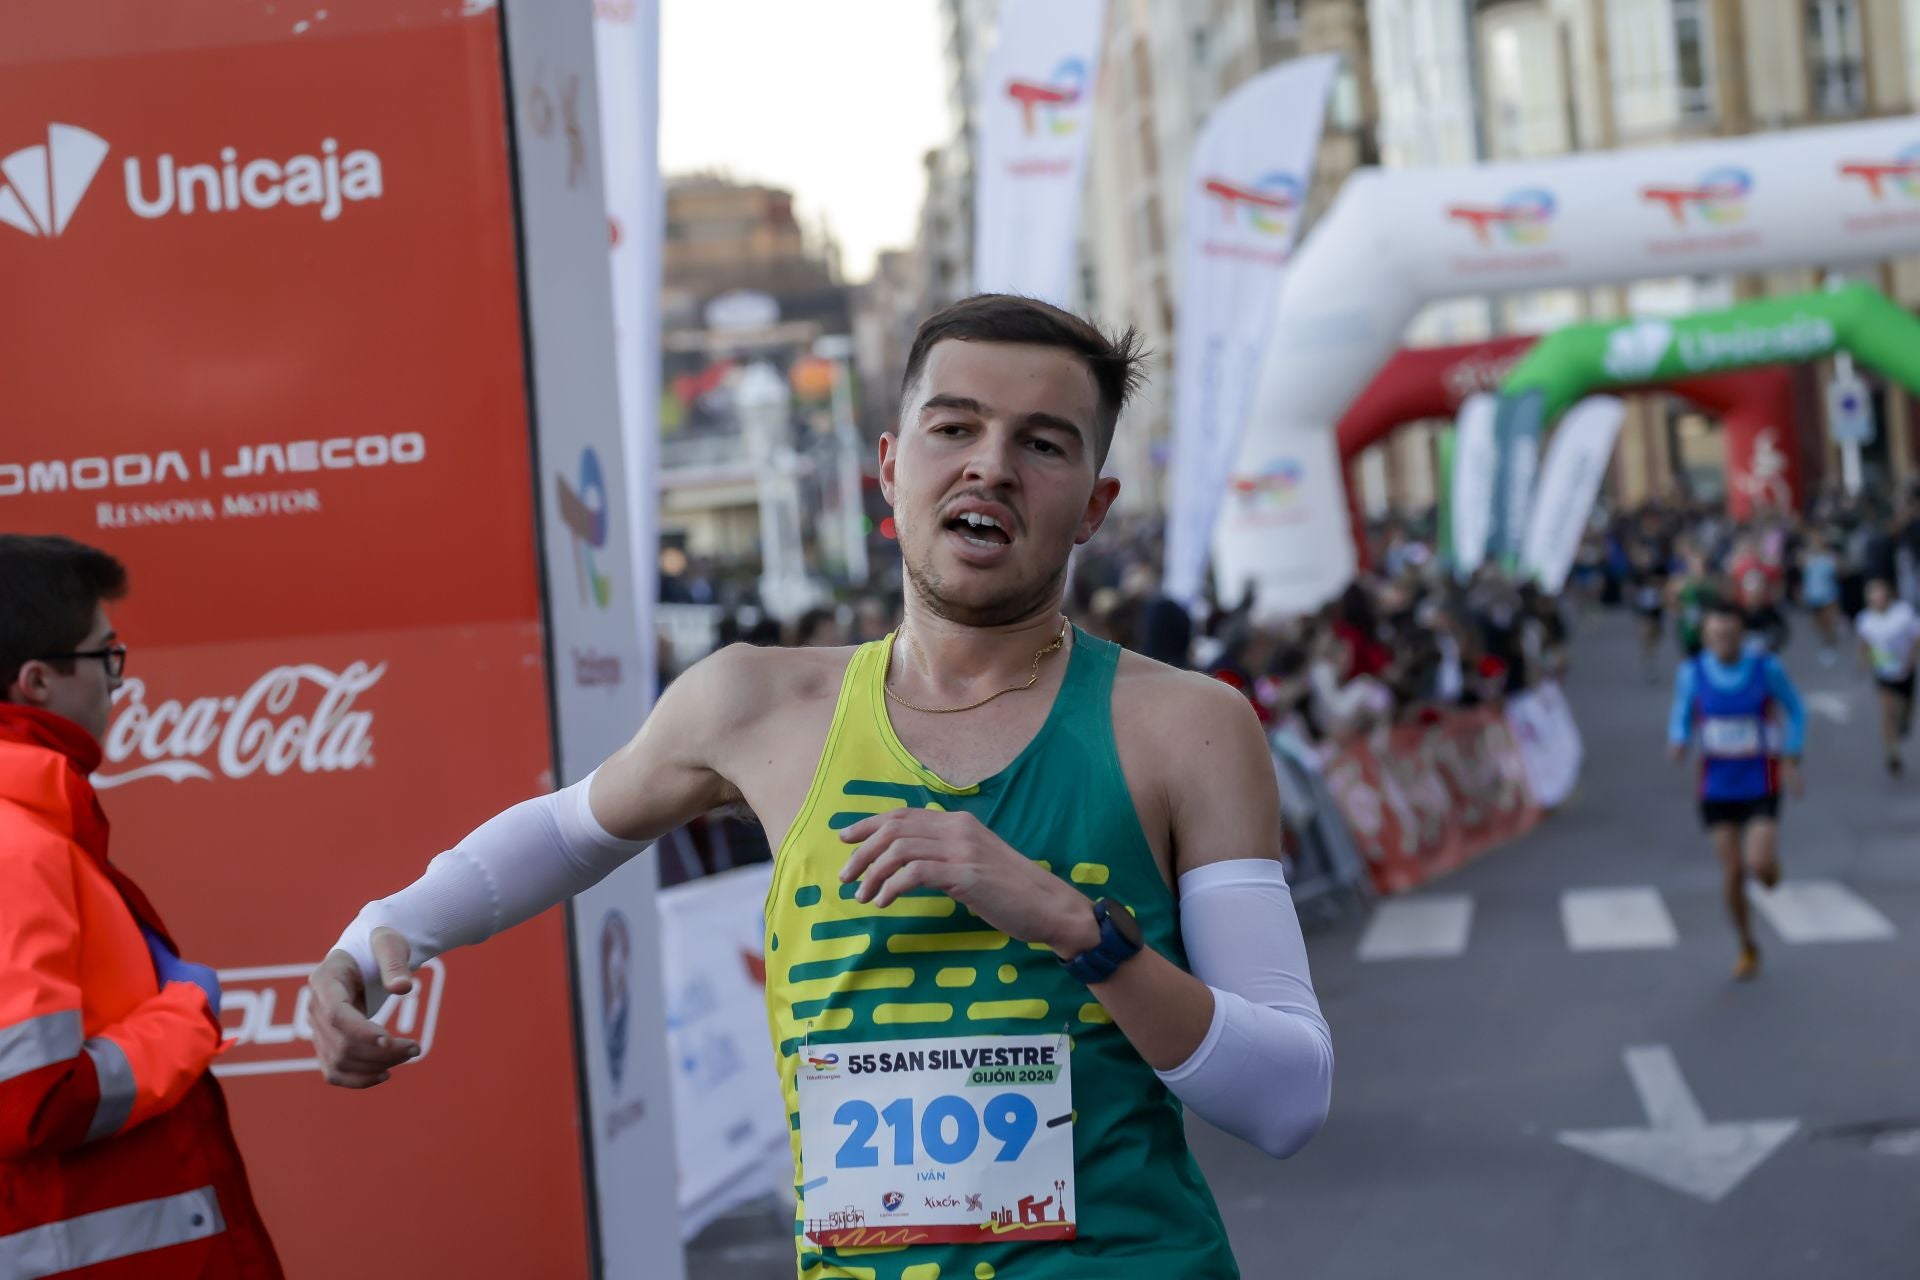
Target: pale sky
836,100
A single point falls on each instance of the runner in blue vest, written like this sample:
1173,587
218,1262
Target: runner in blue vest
1724,700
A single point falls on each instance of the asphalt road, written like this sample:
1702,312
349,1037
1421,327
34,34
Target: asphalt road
1459,1072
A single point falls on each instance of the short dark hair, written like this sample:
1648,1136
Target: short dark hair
1115,360
1724,606
49,587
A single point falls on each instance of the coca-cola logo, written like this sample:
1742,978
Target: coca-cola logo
267,729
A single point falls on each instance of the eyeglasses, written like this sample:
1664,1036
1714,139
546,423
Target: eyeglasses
115,656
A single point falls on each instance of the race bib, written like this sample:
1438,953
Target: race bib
944,1141
1732,737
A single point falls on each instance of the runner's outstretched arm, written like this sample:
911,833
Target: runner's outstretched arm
529,858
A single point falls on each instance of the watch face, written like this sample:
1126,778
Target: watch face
1123,923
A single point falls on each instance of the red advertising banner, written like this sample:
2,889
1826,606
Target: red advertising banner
1421,800
263,342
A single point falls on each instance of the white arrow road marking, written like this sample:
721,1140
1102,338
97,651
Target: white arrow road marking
1832,706
1678,1148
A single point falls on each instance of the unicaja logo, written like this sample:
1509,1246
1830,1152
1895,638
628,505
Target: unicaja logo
1637,350
41,186
328,181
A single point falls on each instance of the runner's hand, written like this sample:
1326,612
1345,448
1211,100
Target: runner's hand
956,854
1790,779
1677,752
355,1051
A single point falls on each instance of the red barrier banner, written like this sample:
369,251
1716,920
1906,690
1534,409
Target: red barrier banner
263,342
1421,800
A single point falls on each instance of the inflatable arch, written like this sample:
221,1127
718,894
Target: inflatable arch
1397,240
1755,408
1762,452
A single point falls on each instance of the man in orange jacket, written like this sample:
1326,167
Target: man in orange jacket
116,1156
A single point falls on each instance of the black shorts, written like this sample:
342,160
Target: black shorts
1738,813
1903,687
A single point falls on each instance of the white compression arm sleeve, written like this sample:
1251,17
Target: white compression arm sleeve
511,868
1265,1070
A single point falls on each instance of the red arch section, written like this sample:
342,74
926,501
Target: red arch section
1755,408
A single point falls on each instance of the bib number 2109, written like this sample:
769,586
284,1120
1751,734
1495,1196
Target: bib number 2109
949,1129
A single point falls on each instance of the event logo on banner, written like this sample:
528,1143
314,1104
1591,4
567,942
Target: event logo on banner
1513,233
1053,105
1034,102
1245,203
1885,177
583,510
616,963
1709,209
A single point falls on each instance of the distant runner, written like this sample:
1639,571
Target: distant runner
1724,702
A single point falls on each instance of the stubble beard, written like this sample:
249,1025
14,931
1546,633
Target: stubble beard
1017,603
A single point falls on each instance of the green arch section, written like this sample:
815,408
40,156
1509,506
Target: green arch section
1584,358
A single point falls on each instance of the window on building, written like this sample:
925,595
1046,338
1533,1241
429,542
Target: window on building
1692,58
1661,63
1283,16
1836,51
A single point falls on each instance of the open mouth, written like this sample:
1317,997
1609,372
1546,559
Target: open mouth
980,530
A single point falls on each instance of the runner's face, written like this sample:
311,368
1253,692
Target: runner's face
1005,432
1723,634
1878,596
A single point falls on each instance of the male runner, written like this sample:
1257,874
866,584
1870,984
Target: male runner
1004,847
1889,631
1724,699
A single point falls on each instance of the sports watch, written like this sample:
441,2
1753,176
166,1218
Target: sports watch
1120,941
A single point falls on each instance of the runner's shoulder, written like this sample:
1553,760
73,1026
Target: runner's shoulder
1175,708
744,682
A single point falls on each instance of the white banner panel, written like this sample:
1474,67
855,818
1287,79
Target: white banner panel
1034,114
598,666
626,38
729,1120
1246,197
1284,519
1569,483
1394,241
1476,469
1550,746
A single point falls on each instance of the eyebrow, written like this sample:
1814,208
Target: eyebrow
966,404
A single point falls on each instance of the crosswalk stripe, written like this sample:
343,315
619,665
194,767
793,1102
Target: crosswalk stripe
1629,919
1418,928
1819,911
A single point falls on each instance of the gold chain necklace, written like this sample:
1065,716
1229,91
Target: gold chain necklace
1033,677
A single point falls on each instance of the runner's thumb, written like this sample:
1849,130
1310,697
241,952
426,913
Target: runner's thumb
392,953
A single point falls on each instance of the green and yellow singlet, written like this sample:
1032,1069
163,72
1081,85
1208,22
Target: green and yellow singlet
842,972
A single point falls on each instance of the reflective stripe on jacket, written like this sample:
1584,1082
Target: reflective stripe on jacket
116,1154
